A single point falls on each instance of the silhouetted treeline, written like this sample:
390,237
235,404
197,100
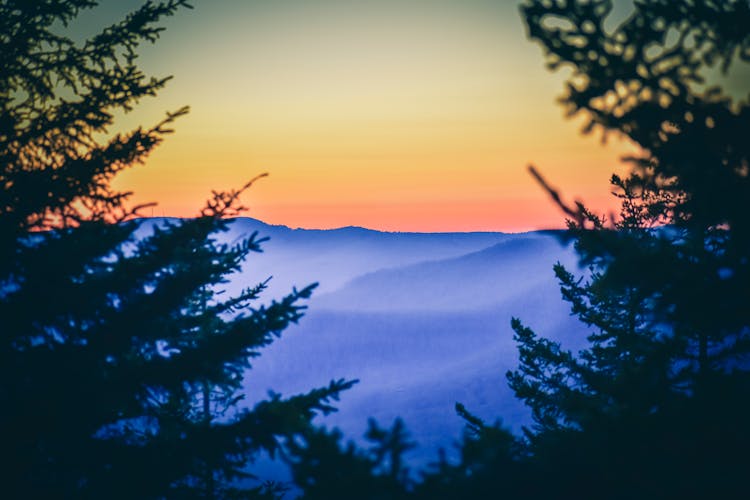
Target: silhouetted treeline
121,361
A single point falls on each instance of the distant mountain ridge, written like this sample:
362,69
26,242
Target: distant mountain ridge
441,285
421,319
333,257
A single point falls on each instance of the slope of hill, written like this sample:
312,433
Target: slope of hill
475,280
297,257
422,320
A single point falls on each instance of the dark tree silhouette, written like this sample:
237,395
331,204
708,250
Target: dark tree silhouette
493,463
645,79
627,369
656,406
325,468
120,359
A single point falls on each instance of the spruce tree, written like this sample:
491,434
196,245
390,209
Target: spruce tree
656,404
121,357
493,463
325,468
645,79
627,369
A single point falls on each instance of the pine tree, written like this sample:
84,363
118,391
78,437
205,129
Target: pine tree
325,468
656,404
120,356
644,80
627,370
493,463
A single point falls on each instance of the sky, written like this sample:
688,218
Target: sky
397,115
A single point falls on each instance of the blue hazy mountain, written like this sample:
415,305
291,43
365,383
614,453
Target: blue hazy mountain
476,280
422,320
297,257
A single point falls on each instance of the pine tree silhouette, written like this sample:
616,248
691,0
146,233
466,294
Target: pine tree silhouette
120,358
325,468
655,405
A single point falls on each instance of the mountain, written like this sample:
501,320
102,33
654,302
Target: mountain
476,280
422,320
297,257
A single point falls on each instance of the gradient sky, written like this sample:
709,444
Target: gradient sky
400,115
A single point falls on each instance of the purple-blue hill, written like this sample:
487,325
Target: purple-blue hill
297,257
422,320
474,281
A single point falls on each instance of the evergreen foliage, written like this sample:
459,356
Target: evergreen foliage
655,405
493,463
120,357
324,468
645,80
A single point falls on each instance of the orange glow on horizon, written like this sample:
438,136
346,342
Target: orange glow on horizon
398,116
507,215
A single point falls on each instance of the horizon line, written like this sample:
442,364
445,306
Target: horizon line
363,228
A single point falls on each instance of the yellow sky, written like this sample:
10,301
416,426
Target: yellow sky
409,115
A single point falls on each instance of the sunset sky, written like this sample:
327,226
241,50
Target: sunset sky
399,115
